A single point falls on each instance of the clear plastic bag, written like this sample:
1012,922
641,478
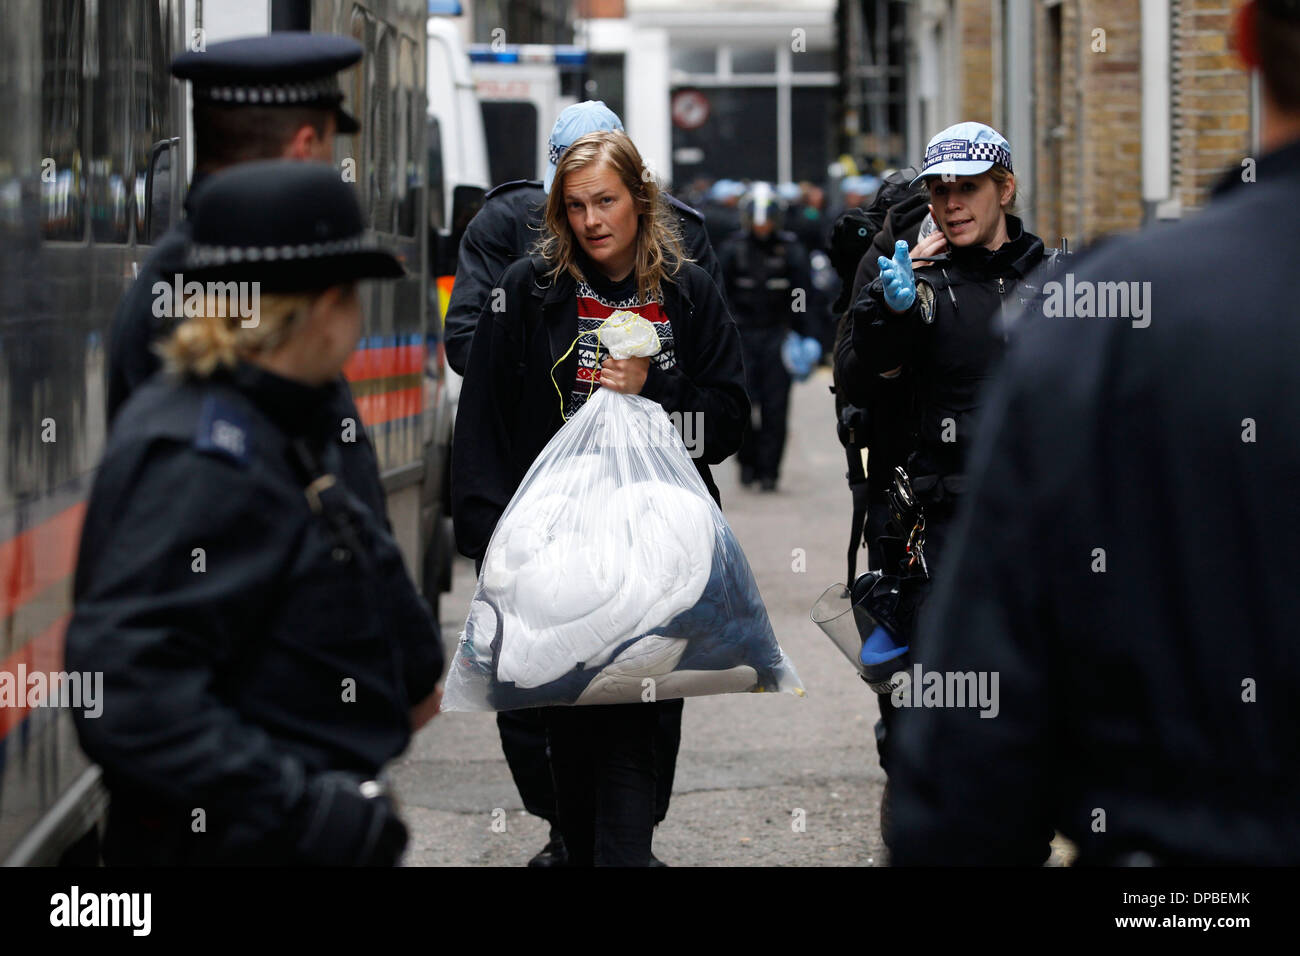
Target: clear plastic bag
613,577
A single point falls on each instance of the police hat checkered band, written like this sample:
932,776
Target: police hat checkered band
204,256
324,91
960,150
554,153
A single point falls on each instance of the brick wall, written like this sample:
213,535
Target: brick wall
1088,112
1212,90
976,85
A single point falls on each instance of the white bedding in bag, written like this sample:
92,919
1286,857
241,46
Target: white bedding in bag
644,556
580,565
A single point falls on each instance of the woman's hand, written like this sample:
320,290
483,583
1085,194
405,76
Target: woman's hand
933,244
427,709
624,375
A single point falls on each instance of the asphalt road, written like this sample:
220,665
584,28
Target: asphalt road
749,763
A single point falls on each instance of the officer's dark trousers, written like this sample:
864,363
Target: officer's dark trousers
603,760
523,740
769,394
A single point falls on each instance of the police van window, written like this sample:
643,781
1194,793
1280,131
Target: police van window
407,108
436,189
355,100
62,158
605,80
111,183
381,121
149,103
511,131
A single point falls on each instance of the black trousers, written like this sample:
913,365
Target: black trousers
768,383
523,740
605,767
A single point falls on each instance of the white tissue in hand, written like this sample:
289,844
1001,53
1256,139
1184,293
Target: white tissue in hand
627,335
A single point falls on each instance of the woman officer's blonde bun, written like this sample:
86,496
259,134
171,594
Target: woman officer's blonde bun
217,337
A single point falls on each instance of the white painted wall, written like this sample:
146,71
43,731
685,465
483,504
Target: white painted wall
645,87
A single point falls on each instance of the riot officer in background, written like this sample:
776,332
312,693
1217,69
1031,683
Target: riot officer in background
263,97
263,649
768,284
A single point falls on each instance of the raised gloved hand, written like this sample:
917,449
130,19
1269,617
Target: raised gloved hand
343,821
897,279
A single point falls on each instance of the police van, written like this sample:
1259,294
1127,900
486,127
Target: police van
523,88
92,172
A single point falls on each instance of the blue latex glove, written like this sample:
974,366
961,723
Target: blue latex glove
897,278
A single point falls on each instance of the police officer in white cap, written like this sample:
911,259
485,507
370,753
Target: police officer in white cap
1127,557
936,315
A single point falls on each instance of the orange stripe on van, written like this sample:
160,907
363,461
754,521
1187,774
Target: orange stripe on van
386,406
39,557
386,362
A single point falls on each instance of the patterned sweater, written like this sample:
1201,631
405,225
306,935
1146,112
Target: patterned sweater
598,297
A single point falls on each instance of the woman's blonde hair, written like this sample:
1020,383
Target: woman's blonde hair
1000,174
217,336
659,252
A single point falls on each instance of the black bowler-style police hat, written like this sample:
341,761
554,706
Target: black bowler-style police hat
285,68
290,226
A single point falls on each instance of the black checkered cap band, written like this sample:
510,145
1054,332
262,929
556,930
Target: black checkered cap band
201,255
974,152
322,92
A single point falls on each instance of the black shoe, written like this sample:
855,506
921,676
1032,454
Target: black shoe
553,854
767,484
746,475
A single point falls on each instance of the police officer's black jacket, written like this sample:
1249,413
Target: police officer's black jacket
1153,706
886,400
226,668
761,276
131,359
948,341
503,230
509,408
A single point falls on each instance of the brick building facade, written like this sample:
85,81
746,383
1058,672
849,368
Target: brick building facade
1116,127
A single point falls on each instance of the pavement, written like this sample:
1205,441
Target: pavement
762,779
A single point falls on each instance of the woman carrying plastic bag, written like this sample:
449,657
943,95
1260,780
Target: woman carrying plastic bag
610,564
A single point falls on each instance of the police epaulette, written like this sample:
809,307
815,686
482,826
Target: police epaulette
683,207
223,430
511,184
